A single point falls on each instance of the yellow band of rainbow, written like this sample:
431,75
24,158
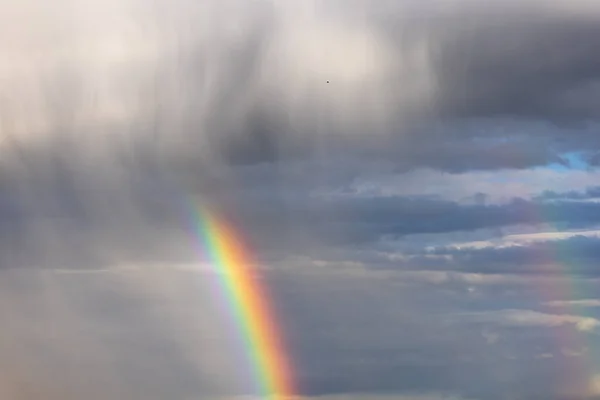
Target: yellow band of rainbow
249,302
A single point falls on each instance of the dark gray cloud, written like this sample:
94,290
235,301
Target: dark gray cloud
363,221
589,193
379,334
153,333
263,97
494,75
61,215
520,61
512,65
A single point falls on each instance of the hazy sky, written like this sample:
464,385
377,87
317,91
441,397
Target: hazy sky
418,180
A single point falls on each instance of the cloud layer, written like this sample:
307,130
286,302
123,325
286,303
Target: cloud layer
418,182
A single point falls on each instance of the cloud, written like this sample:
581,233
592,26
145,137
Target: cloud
574,256
507,75
148,215
529,318
370,396
112,136
109,132
149,334
470,187
366,220
253,89
524,239
360,334
582,302
592,192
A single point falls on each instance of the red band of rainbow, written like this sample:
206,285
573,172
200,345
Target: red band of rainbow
249,303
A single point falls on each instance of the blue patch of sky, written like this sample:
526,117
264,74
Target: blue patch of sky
575,160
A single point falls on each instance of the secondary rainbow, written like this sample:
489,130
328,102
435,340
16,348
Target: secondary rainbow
247,300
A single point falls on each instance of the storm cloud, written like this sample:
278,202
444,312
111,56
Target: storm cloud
417,181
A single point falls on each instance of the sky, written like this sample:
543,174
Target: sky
418,182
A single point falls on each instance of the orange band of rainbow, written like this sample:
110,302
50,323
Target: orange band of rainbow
249,302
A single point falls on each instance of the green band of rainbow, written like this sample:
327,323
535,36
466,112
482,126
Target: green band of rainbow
248,301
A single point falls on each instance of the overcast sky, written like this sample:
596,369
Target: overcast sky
418,181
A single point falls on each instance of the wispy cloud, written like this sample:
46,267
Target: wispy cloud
530,318
582,302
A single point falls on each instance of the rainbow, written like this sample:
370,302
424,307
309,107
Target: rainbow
247,301
562,283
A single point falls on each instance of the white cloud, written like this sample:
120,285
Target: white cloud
524,318
567,352
490,337
524,239
583,303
